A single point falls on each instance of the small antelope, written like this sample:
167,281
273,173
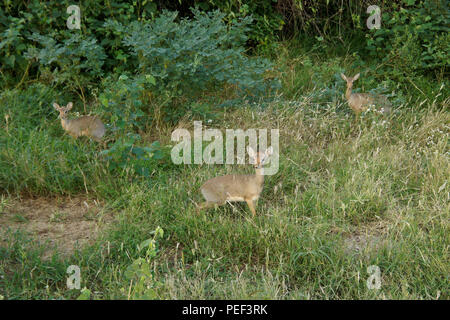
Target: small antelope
89,126
219,190
359,102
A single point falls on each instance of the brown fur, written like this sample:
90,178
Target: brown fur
90,126
359,102
219,190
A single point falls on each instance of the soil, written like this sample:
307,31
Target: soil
371,238
64,224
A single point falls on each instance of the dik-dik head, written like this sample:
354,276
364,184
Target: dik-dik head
259,158
63,111
349,80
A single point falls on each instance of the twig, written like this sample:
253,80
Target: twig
82,95
416,86
24,75
84,180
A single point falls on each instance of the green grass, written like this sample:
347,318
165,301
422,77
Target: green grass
383,180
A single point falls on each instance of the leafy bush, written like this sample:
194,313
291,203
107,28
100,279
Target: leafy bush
414,37
197,54
267,20
108,21
123,107
140,272
12,45
19,20
181,61
187,57
125,155
121,102
75,62
326,19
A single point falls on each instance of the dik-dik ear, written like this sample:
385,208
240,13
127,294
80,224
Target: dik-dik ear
356,77
69,106
251,152
343,77
269,151
266,154
56,106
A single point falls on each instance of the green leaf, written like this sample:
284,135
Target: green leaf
85,294
150,79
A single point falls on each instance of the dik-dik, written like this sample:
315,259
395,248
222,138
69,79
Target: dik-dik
359,102
219,190
90,126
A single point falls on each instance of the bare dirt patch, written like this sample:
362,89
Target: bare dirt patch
65,223
369,238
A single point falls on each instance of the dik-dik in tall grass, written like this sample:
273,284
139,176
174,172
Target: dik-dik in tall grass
219,190
359,102
89,126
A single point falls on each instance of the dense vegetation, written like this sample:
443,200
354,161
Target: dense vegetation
378,184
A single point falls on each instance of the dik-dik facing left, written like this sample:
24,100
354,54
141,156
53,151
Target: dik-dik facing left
90,126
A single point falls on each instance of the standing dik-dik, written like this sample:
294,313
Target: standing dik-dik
219,190
359,102
89,126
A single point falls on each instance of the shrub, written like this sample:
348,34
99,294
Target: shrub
12,46
197,54
267,21
75,62
414,38
108,21
121,102
126,155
